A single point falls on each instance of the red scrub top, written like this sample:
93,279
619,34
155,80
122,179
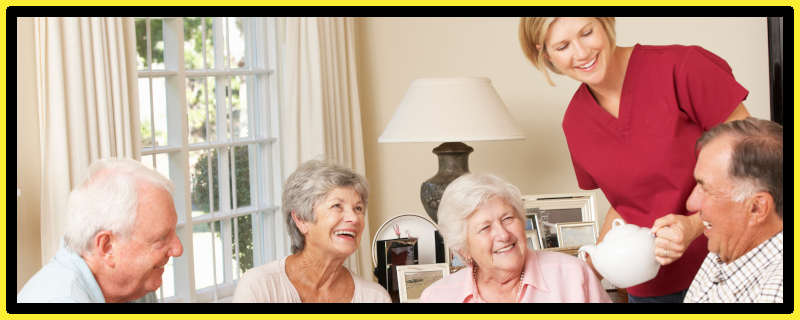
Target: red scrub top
644,160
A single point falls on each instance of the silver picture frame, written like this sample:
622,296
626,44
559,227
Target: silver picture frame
413,279
549,209
572,235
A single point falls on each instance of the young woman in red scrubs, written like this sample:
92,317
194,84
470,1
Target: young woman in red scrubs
631,129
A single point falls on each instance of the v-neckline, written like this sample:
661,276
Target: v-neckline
620,122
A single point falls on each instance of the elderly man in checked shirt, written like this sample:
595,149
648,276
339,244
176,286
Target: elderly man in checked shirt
739,195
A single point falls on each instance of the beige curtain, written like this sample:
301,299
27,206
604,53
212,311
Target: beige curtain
321,116
86,88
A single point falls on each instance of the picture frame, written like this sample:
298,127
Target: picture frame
573,235
533,240
455,262
413,279
547,210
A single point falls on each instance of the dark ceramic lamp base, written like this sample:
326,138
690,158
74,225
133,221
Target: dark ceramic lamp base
453,158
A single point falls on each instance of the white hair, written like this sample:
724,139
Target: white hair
107,200
742,190
463,196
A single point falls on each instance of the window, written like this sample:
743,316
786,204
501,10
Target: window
207,105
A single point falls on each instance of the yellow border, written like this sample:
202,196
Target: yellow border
3,156
7,3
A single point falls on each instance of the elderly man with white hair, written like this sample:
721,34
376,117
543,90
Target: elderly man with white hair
120,233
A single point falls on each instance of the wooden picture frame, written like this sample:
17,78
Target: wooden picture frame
413,279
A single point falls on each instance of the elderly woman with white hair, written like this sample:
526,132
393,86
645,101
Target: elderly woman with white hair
481,217
324,205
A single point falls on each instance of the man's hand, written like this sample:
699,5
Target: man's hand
673,234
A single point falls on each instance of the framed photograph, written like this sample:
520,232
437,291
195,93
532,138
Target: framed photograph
455,262
533,240
572,235
549,209
413,279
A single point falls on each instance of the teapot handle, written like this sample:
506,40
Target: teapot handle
617,222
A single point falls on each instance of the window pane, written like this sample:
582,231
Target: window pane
157,42
160,110
193,39
162,164
238,102
145,126
236,43
207,255
218,253
199,168
167,281
199,94
244,231
147,161
241,160
141,44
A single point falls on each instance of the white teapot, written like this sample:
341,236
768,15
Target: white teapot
625,256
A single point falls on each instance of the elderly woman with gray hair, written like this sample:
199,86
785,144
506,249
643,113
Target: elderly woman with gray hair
481,218
324,205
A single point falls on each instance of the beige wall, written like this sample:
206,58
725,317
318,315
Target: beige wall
394,51
28,163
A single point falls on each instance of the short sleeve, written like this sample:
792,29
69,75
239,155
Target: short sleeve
245,292
707,91
585,180
369,292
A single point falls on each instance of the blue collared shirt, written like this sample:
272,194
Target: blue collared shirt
66,278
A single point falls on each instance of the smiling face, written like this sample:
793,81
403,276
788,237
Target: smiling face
725,220
579,48
496,237
339,222
141,257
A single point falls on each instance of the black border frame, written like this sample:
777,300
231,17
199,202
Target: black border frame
13,12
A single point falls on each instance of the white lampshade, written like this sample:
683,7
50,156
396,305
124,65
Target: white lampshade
450,109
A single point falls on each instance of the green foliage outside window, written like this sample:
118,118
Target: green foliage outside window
201,203
193,49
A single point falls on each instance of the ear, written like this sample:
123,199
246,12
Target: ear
104,247
544,52
759,207
302,225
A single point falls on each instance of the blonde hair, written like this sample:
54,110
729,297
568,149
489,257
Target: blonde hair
532,31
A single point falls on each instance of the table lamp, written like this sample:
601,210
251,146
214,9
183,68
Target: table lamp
449,110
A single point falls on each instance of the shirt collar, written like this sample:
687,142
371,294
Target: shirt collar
533,272
532,277
751,262
70,258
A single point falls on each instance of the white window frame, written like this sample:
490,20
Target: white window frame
264,161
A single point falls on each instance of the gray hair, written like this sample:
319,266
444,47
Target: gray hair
107,200
309,184
756,159
463,196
